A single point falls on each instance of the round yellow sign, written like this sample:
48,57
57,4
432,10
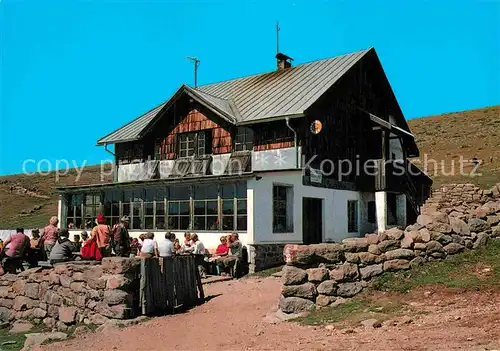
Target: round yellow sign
316,127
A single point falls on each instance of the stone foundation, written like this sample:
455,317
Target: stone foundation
72,293
326,274
262,256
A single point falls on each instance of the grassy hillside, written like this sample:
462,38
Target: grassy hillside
445,138
30,200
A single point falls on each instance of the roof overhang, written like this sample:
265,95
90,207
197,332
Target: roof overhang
407,138
271,119
164,181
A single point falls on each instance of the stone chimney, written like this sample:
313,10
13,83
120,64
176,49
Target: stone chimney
283,61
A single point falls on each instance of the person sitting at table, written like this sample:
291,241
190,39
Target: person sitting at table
235,253
197,248
63,248
187,241
77,243
177,245
14,251
35,239
221,250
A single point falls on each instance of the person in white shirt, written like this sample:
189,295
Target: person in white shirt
166,247
149,246
198,248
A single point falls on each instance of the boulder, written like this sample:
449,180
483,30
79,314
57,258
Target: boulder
407,242
495,231
366,258
350,271
119,265
39,313
493,220
97,319
65,280
459,226
414,227
118,281
425,235
337,274
115,297
317,275
300,255
481,240
372,239
419,246
67,314
424,219
49,322
22,303
324,300
349,289
352,257
355,244
453,248
328,287
478,225
440,227
397,264
78,277
399,253
434,246
371,271
371,323
373,249
20,327
35,340
458,239
293,275
394,233
444,239
417,261
306,291
388,245
296,305
440,217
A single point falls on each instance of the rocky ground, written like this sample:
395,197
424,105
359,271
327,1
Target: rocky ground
239,316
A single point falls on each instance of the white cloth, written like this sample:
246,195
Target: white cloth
199,248
148,246
166,248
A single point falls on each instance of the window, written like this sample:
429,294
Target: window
243,140
154,208
112,206
132,207
74,211
212,207
392,218
194,144
371,212
179,208
92,204
282,209
205,206
352,216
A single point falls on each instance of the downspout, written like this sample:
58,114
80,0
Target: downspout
115,168
287,120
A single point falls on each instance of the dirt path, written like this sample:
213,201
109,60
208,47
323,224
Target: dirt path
234,320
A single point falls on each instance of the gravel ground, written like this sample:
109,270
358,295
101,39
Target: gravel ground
234,319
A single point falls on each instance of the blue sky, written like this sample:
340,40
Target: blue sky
72,71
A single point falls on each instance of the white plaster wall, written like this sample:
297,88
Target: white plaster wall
381,210
260,221
209,239
284,158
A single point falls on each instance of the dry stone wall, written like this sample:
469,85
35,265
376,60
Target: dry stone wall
72,293
461,218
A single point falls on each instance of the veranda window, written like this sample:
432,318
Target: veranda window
74,218
205,202
282,209
352,216
179,204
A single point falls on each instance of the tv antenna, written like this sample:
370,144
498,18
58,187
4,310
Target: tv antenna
277,37
196,64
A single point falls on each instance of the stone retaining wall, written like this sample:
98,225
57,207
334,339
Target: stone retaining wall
72,293
325,274
262,256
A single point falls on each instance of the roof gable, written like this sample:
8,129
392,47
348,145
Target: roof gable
284,93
